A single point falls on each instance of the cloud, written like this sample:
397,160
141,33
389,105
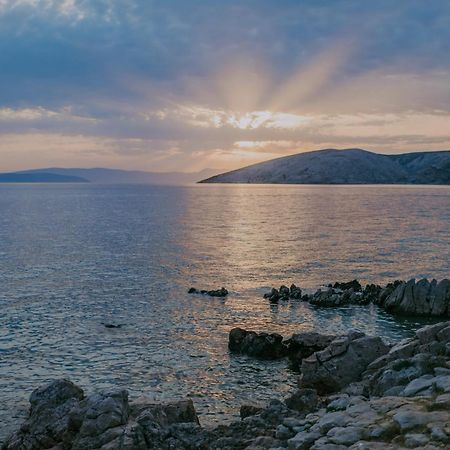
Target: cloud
183,84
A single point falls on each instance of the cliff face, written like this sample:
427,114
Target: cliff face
350,166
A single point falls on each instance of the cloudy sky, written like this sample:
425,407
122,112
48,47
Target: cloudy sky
187,84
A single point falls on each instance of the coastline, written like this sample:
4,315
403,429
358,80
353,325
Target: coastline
378,396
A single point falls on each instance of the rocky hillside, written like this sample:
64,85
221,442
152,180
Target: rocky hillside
349,166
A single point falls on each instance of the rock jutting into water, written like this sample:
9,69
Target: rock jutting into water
284,293
389,398
422,298
341,363
222,292
260,345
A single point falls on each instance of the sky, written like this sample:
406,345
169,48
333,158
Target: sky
183,85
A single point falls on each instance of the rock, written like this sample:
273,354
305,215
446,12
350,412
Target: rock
49,421
346,435
102,418
283,432
442,402
303,441
334,297
111,325
303,400
423,298
418,384
284,293
222,292
429,333
61,417
414,440
387,291
249,410
341,363
328,298
261,345
371,293
355,285
295,292
273,296
303,345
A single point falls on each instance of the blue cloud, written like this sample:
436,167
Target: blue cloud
108,59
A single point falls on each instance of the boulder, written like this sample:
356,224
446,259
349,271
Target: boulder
61,417
284,293
341,363
302,345
414,366
295,292
260,345
249,410
302,400
273,296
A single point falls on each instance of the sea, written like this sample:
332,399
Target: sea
74,257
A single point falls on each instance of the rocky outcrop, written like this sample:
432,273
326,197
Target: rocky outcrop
400,400
61,417
358,423
422,298
259,345
284,293
337,297
341,363
419,365
222,292
272,345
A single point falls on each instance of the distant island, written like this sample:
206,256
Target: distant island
348,166
102,175
39,177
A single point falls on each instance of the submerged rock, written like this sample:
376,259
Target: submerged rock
222,292
111,325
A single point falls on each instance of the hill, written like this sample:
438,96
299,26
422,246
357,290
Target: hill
106,176
348,166
39,177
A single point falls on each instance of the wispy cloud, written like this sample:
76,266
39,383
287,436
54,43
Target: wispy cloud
183,84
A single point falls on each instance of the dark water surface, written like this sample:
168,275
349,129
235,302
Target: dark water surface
74,256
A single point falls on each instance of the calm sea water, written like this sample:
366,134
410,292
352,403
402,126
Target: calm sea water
74,256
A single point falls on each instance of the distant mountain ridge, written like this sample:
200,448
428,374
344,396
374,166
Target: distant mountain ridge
347,166
102,175
39,177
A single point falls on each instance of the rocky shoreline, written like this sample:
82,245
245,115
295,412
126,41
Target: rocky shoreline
421,298
354,391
